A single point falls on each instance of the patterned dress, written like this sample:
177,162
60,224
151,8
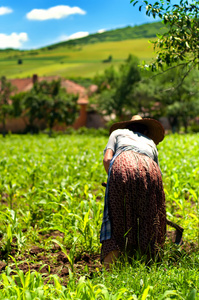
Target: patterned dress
136,206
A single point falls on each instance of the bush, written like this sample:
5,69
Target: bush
92,131
194,128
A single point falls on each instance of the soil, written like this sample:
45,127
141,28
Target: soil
51,261
54,261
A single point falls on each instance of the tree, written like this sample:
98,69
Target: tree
50,102
107,80
129,76
146,100
6,89
109,59
179,101
179,44
33,103
17,104
116,87
61,108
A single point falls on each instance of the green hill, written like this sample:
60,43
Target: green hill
81,57
127,33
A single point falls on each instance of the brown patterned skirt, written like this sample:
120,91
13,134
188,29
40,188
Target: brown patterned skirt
136,202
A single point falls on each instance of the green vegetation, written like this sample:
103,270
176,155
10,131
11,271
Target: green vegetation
71,62
121,92
130,90
179,44
50,188
137,32
47,102
6,89
81,57
51,212
115,88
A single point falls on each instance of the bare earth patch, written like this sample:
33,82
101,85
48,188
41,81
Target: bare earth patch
54,261
51,261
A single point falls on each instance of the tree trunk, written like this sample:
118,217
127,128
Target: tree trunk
174,124
185,124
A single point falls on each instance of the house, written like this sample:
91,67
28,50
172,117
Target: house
84,119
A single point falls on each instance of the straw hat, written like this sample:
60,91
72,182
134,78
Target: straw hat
155,128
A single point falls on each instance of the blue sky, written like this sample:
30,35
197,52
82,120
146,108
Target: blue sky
34,24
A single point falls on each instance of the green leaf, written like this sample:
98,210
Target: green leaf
192,295
187,44
168,293
146,292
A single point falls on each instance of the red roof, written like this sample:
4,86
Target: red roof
25,84
22,85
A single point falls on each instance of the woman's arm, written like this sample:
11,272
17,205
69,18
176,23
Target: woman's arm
107,159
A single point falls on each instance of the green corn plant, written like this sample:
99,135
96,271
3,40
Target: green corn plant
8,241
11,189
71,255
86,229
13,229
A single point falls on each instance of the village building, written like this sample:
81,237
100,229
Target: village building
85,119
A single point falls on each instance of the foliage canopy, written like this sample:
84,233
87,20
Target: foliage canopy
116,87
5,108
178,45
50,102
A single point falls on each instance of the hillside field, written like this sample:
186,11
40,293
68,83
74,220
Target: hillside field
72,60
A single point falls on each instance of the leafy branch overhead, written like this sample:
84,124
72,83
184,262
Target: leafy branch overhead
179,44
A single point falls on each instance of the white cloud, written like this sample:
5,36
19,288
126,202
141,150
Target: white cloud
5,10
74,36
56,12
101,30
12,41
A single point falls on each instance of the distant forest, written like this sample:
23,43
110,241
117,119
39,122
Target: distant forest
148,30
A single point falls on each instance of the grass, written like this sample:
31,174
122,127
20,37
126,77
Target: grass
53,185
84,61
131,282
